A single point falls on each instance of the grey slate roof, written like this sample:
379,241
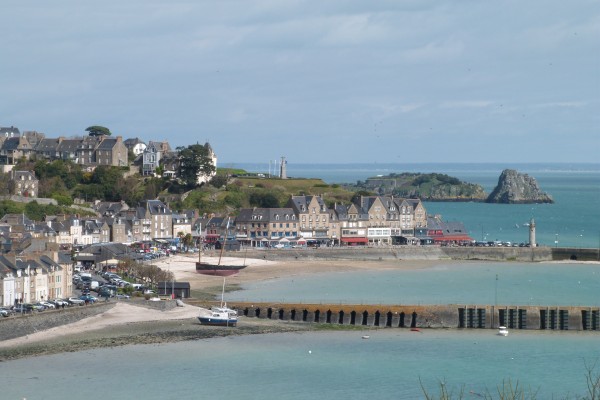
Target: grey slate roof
8,132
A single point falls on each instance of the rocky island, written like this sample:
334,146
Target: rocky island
428,187
517,188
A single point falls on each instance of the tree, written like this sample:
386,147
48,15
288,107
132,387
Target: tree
97,130
194,161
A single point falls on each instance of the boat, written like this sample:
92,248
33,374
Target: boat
219,316
502,331
217,269
366,336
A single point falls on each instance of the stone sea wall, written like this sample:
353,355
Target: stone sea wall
28,324
522,254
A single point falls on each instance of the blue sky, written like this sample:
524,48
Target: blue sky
314,81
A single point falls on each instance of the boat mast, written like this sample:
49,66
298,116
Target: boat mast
224,241
223,294
200,245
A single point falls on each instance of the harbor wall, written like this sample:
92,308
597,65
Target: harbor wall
563,318
386,253
356,253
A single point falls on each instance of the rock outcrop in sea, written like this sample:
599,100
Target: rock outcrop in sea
517,188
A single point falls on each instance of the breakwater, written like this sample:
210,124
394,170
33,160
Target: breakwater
430,316
387,253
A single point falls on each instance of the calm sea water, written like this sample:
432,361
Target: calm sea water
545,284
573,221
390,364
327,365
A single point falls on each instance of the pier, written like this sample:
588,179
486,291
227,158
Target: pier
466,316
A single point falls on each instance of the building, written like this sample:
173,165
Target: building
136,146
151,159
313,217
258,227
24,183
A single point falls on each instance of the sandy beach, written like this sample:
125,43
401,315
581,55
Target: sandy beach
133,324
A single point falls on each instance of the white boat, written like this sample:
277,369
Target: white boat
502,331
219,317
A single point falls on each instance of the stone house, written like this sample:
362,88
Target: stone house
259,226
24,183
313,216
13,149
157,220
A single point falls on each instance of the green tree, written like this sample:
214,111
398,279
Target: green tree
264,200
219,181
194,160
97,130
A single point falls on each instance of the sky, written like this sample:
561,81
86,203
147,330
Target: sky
315,81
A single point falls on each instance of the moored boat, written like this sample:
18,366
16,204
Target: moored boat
219,316
218,269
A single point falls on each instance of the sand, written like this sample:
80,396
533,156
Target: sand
183,267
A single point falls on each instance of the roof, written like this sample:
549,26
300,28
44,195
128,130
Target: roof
107,144
8,132
47,145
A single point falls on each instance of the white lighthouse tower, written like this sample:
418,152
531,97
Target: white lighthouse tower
532,242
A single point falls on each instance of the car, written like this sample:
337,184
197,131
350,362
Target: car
5,312
60,302
122,296
88,298
39,307
76,301
47,304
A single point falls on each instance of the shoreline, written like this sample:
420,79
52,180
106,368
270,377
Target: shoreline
130,324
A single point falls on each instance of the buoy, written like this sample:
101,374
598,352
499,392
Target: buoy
310,352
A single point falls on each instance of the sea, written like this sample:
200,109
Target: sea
392,363
572,221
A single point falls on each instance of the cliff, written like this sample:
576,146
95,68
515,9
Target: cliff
516,188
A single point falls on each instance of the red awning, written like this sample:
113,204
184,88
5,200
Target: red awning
453,238
355,240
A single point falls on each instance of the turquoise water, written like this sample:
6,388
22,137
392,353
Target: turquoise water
327,365
574,219
545,284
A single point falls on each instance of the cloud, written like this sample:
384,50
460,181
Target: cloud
467,104
562,104
435,51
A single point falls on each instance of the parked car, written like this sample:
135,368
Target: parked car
5,312
61,302
47,304
122,296
23,308
76,301
39,307
88,298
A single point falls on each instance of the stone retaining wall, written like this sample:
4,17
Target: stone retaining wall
18,326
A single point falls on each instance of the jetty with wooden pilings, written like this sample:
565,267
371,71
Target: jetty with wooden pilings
567,318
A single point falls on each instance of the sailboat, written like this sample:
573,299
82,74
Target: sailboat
217,269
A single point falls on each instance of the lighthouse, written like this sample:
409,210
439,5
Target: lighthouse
532,233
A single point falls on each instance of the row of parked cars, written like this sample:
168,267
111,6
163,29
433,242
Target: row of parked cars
24,308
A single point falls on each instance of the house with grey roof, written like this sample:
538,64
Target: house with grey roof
7,132
13,149
151,159
313,216
24,183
